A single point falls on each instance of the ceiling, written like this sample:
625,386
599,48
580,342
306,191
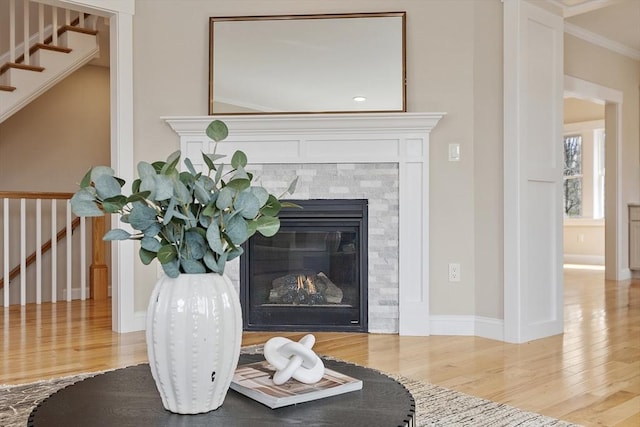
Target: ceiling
616,20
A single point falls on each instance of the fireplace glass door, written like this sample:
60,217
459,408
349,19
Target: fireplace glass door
312,275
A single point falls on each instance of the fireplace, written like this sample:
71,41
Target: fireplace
359,148
312,275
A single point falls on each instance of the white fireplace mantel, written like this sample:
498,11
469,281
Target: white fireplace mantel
401,138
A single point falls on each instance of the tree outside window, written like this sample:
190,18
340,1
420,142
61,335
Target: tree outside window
573,176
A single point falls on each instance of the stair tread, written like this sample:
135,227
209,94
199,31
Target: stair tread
77,30
52,48
9,65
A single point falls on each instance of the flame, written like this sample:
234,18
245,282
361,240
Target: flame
306,283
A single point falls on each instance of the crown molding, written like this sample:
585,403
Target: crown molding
601,41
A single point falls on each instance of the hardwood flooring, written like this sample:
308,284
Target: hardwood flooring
590,375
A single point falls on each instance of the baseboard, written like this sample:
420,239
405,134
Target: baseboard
584,259
479,326
139,321
488,327
452,325
625,274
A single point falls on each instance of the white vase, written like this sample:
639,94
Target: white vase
194,334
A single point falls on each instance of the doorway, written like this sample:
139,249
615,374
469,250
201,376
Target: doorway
613,225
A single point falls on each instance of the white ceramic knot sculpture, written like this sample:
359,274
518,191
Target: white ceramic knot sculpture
294,360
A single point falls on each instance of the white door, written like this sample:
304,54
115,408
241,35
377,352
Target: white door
533,166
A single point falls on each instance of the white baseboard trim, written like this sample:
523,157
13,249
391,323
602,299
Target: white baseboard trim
452,325
625,274
480,326
584,259
75,293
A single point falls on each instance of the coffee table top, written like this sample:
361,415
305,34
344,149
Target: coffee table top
128,397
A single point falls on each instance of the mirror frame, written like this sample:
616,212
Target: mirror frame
213,20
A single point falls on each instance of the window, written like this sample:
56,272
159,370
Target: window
573,175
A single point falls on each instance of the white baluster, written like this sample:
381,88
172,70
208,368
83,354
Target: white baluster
83,258
54,252
23,251
41,23
54,25
5,234
12,30
67,17
38,251
25,40
69,253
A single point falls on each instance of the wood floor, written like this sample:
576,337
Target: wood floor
590,375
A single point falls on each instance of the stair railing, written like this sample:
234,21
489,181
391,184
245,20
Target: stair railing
24,211
44,34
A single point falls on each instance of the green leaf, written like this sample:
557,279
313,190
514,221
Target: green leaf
138,197
98,171
86,180
191,266
167,253
225,198
181,192
189,165
83,203
114,204
194,244
151,244
107,186
222,260
211,262
217,130
261,194
267,226
235,253
171,268
292,186
213,239
236,230
145,170
153,230
239,184
163,187
272,207
116,234
202,195
247,204
146,256
239,160
172,162
142,216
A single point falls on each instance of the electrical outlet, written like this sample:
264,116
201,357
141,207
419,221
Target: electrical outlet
454,272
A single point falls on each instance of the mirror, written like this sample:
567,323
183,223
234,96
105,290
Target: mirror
307,64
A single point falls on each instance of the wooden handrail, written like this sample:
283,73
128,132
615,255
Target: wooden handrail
46,247
34,195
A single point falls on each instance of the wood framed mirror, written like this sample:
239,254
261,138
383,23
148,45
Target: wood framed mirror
332,63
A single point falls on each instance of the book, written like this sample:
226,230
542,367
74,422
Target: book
255,380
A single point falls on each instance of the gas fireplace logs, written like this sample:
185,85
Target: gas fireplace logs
304,289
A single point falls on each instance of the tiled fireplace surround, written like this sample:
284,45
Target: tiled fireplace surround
376,156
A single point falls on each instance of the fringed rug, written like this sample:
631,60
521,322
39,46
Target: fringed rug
435,406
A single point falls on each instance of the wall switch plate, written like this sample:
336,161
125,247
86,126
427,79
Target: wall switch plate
454,272
454,152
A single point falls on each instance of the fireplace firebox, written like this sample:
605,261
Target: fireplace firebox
312,275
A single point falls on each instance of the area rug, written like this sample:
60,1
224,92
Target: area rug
435,406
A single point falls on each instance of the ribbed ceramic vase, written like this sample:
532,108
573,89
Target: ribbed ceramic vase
194,334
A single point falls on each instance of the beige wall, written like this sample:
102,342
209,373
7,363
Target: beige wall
580,110
52,142
445,42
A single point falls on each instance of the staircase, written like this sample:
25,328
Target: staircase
61,42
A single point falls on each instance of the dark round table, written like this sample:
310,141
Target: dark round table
128,397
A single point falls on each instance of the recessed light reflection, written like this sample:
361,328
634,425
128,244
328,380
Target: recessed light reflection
359,98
